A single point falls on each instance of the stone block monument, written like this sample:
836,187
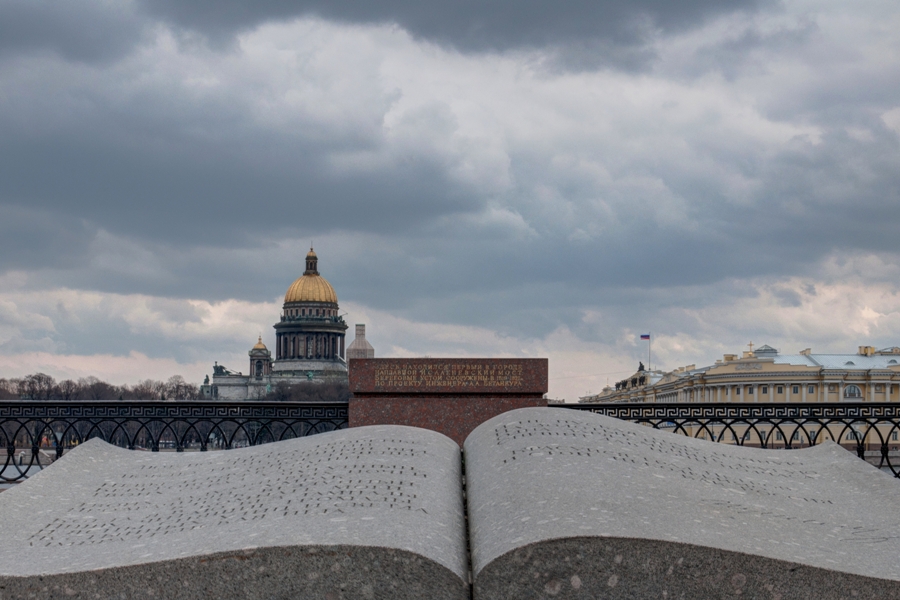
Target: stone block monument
448,395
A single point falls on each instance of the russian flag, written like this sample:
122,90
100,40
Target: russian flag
645,336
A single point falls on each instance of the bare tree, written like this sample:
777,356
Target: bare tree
9,389
159,390
178,389
68,390
38,386
145,390
96,389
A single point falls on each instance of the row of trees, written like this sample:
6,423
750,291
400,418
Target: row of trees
40,386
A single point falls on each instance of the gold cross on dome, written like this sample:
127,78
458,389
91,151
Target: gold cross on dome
751,346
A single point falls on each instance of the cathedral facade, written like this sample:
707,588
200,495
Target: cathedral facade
309,344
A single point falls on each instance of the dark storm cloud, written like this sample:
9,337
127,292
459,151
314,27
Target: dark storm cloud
839,195
177,198
470,24
232,187
82,30
39,239
127,179
577,33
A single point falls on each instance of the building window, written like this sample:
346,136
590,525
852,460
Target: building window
765,389
894,436
749,389
778,436
852,436
852,391
737,391
795,437
810,389
779,389
795,389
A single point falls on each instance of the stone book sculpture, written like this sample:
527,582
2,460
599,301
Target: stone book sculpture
559,504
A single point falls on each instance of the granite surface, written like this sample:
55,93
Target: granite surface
575,505
362,513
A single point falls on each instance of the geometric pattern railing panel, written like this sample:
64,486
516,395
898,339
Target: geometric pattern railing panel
37,433
871,429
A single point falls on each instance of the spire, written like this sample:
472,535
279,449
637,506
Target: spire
312,263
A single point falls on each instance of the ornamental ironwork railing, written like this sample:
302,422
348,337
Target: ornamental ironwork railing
37,433
871,429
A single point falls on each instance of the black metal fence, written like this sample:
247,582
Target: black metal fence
37,433
871,429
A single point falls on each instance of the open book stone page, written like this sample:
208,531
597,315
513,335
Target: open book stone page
375,512
566,504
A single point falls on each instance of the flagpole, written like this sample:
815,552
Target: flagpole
650,350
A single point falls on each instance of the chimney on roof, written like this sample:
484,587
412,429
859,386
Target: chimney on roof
866,350
360,347
806,352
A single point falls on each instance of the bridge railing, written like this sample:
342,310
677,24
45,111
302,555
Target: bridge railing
870,429
37,433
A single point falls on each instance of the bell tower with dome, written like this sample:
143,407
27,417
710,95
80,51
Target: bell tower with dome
309,339
309,343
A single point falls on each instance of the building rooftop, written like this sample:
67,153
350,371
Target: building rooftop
838,361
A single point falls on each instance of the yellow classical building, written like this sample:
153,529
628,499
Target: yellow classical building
765,375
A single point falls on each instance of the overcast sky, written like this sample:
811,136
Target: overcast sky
500,178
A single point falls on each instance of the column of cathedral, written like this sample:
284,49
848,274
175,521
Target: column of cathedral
321,345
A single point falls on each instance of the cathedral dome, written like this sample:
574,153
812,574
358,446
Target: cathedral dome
311,287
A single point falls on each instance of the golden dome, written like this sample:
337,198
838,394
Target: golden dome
311,288
259,345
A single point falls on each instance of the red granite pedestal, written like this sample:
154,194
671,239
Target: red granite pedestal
448,395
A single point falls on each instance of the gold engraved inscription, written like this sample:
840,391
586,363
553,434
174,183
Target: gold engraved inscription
452,375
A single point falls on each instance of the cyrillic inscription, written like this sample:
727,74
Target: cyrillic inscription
455,375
